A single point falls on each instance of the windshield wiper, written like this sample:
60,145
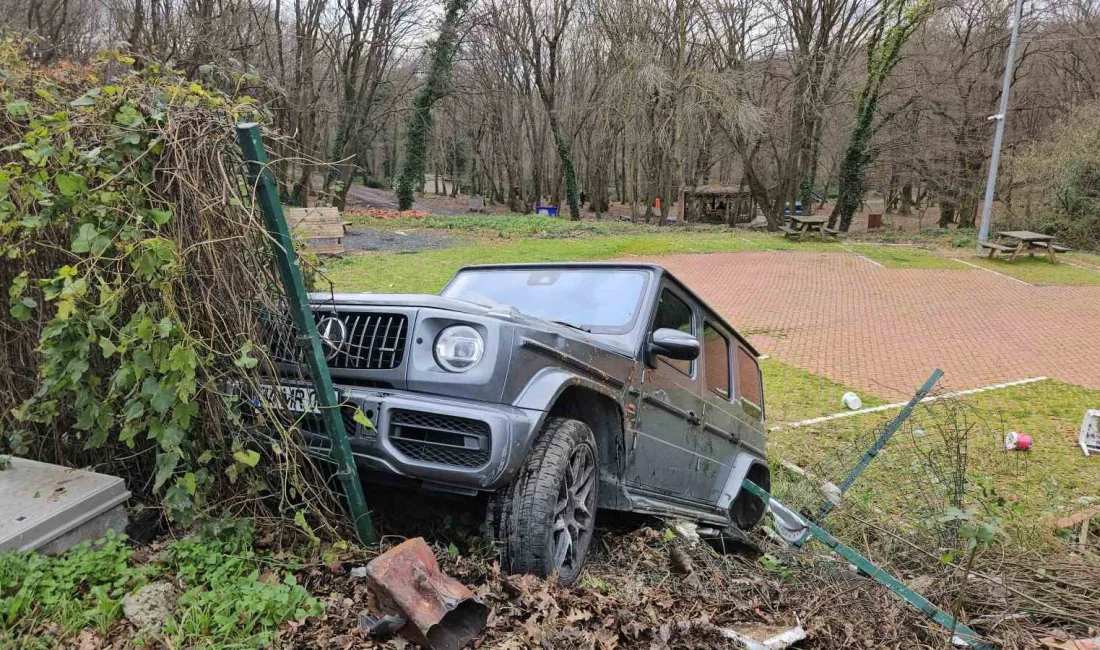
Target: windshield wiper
568,324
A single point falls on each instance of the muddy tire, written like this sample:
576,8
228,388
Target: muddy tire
543,521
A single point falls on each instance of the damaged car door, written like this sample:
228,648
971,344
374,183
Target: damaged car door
666,460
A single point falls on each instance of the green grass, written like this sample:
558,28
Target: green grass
793,394
1025,490
506,226
1039,270
904,257
428,271
232,594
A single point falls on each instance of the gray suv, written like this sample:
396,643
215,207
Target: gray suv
558,389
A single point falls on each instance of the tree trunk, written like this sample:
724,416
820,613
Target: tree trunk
420,120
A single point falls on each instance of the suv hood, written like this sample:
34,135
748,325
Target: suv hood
397,300
618,343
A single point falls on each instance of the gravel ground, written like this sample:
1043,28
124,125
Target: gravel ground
372,239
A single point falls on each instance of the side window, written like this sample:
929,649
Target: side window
750,392
675,314
716,352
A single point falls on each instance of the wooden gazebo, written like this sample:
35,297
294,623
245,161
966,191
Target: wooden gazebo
726,204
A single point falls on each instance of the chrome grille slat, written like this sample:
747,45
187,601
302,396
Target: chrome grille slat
374,341
373,338
393,350
368,335
352,345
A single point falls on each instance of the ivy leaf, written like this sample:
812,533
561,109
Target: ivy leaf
164,327
246,360
134,410
65,309
187,482
69,184
176,500
163,399
107,346
362,419
452,550
247,457
87,99
90,240
18,107
160,217
166,465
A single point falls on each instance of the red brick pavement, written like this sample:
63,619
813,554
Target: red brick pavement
883,330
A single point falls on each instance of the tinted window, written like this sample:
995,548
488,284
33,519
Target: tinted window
673,313
749,389
716,352
602,300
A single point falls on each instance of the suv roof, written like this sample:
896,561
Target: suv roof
657,269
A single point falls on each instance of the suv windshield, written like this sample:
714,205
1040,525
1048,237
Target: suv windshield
599,300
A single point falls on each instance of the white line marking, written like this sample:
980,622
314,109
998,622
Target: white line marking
881,266
897,405
748,241
992,271
1081,266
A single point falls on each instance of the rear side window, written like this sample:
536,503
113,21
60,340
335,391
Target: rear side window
716,355
675,314
750,392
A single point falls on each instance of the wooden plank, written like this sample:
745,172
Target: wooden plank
316,223
788,230
325,249
999,247
1025,235
323,231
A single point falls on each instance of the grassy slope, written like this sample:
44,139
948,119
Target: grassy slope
1028,490
1039,270
793,394
533,239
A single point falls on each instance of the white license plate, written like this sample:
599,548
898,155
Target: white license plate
297,398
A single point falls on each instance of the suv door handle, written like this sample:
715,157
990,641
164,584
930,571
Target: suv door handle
693,419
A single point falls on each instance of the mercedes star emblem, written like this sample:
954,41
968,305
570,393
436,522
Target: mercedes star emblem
334,333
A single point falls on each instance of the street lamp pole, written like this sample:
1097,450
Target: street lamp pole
1002,113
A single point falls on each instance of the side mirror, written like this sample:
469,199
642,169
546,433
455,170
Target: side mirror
673,344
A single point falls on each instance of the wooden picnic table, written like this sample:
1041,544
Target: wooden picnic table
1014,242
802,225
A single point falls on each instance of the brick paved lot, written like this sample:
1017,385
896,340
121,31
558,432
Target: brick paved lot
883,330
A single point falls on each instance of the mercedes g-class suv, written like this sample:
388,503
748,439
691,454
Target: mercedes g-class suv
559,389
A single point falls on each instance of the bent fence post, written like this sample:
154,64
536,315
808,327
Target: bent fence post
961,634
263,183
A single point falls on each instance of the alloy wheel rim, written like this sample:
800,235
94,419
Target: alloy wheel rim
574,508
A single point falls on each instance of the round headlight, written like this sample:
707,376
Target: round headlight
459,348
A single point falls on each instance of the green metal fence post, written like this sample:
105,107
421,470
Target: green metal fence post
267,197
960,632
881,441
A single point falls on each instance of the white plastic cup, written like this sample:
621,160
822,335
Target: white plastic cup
852,401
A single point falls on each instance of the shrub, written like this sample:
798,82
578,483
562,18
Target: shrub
1059,180
133,269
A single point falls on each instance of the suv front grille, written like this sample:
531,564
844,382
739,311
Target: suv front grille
443,439
349,340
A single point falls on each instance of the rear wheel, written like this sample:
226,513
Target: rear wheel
543,521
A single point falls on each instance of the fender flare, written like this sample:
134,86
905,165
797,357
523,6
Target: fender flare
745,461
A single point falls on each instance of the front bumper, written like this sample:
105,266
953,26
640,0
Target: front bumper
461,443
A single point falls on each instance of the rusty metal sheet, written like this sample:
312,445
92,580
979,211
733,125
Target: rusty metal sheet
441,613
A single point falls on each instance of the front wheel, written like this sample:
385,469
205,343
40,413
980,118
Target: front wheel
543,521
